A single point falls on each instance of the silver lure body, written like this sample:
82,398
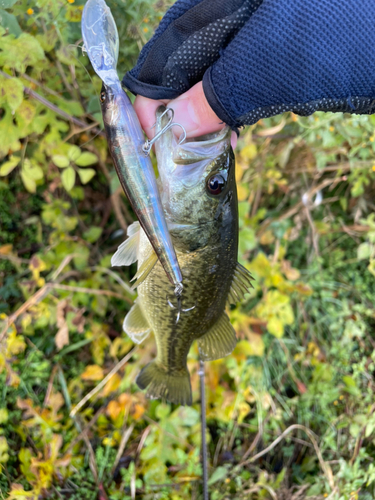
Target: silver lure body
125,136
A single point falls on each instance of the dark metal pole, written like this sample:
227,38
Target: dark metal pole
203,430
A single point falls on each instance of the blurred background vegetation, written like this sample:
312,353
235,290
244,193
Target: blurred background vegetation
291,412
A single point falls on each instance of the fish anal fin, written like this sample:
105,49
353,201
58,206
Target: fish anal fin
241,284
127,252
144,270
173,387
219,341
135,324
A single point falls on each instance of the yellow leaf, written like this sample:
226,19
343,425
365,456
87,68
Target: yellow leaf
36,266
252,347
267,237
15,344
138,411
243,410
239,172
8,166
114,409
112,385
93,372
125,399
6,249
120,346
18,493
3,415
242,192
4,456
249,152
256,343
261,265
277,279
276,327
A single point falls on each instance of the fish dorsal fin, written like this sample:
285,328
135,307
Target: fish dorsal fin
135,324
127,252
219,341
241,284
145,269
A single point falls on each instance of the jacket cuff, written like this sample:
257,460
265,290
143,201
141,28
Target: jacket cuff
147,90
215,103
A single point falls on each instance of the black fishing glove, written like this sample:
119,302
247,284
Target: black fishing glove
258,58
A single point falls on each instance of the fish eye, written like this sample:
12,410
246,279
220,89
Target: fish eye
102,97
215,184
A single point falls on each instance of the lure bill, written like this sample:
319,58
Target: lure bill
198,191
125,137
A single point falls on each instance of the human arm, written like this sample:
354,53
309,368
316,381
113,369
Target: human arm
283,55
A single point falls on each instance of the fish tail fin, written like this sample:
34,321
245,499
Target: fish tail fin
174,387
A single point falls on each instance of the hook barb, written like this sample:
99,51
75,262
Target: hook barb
179,305
146,148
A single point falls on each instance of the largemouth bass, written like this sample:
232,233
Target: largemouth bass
198,191
125,136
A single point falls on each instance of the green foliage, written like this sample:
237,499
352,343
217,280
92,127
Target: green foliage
303,370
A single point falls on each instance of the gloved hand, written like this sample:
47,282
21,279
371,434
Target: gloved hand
258,58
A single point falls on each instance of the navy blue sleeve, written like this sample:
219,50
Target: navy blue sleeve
260,58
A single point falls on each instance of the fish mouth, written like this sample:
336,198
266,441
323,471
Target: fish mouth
184,163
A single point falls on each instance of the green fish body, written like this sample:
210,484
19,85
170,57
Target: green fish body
200,202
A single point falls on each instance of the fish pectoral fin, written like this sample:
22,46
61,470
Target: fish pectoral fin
241,284
219,341
145,269
135,324
133,228
127,252
174,387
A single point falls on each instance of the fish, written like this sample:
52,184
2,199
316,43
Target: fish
200,202
125,137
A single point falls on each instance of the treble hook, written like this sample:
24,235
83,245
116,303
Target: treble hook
178,294
146,148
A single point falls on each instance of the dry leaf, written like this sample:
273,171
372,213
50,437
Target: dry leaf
79,320
55,401
62,336
291,273
272,130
